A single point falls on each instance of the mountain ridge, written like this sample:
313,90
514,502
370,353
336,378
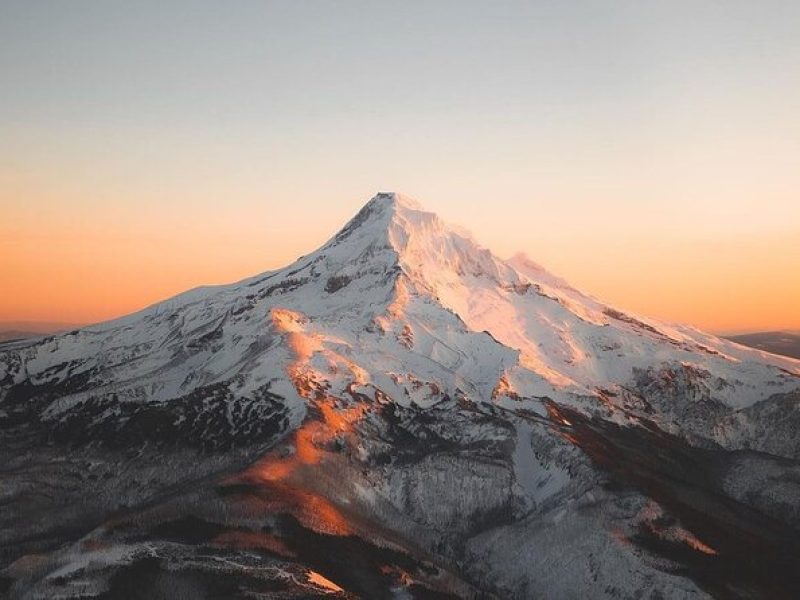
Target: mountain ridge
396,287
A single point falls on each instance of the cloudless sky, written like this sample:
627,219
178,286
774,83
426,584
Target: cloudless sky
649,152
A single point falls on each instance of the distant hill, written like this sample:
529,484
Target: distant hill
12,334
17,330
778,342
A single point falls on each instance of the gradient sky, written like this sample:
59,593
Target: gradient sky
649,152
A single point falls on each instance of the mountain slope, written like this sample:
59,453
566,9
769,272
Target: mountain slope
401,388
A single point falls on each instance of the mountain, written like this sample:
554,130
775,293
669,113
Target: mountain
785,343
398,414
15,334
15,330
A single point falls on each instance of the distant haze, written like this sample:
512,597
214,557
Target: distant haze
12,330
777,342
648,152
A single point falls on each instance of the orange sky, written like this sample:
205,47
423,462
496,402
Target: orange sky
648,152
67,263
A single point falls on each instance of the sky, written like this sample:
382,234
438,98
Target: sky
648,152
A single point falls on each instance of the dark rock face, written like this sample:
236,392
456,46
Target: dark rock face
454,490
749,544
334,284
770,427
210,418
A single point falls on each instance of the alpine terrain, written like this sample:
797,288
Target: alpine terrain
400,414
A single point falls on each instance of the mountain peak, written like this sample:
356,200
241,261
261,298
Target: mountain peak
424,245
386,214
394,201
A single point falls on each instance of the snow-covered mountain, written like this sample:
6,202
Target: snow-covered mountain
478,424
